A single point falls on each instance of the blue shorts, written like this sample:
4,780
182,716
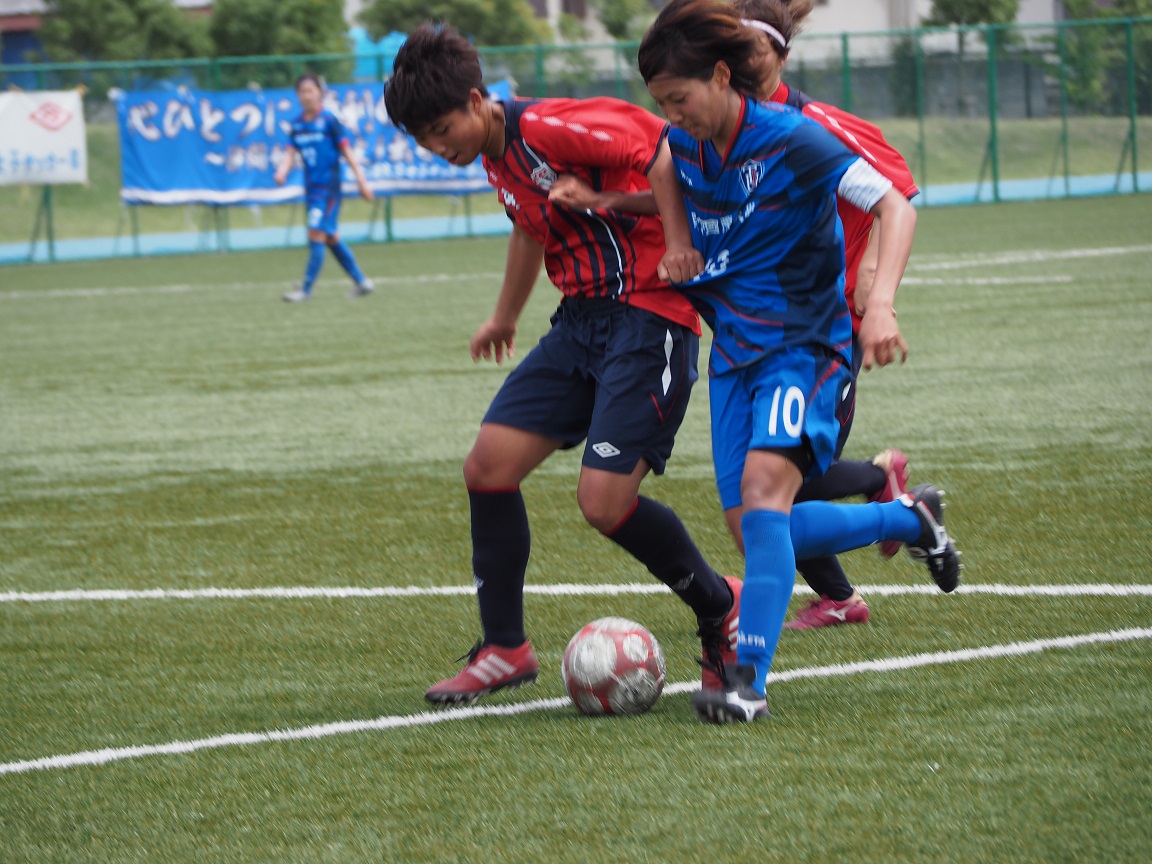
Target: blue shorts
786,400
322,210
607,372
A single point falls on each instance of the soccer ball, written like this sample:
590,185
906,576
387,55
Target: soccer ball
613,666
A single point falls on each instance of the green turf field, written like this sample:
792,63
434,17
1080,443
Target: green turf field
169,426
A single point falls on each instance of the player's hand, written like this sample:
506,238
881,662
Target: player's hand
680,265
568,190
280,177
366,193
494,340
880,340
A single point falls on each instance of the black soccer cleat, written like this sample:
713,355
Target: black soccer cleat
933,548
735,702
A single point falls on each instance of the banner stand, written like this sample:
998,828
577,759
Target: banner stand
44,215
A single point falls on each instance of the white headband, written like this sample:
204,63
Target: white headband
766,28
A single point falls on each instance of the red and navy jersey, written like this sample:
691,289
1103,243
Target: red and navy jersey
867,141
609,144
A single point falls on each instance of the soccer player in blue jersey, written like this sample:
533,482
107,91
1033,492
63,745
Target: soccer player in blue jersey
320,139
760,184
615,370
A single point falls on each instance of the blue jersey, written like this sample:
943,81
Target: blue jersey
763,215
318,141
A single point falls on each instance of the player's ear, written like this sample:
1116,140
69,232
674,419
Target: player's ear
721,74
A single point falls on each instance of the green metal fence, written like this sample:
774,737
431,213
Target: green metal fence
981,114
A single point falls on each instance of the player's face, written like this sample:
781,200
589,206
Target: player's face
457,136
310,96
698,107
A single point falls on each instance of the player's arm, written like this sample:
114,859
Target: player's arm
866,271
286,163
361,181
868,189
570,191
682,261
496,337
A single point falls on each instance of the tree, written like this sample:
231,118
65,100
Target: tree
485,22
624,19
247,28
77,30
969,13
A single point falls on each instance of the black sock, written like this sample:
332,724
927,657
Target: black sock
843,480
655,536
501,542
826,577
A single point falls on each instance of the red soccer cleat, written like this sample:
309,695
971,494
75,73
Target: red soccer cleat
895,464
489,668
827,612
718,639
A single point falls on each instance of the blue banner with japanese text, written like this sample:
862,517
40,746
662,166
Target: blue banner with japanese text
185,146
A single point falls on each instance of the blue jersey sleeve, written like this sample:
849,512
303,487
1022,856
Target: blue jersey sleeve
816,160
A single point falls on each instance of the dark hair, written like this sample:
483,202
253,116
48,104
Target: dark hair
689,37
309,76
434,72
784,15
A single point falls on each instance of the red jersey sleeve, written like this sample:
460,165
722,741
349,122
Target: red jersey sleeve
602,132
866,140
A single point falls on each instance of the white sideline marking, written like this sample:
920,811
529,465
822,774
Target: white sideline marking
563,590
1026,257
914,265
234,286
425,718
991,280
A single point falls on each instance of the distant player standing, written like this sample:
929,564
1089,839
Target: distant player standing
616,369
321,139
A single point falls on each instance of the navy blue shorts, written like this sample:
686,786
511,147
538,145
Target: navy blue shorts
614,375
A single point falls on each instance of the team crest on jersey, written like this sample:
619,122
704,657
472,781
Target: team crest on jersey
543,176
751,173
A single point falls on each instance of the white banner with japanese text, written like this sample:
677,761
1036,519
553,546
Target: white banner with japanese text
42,138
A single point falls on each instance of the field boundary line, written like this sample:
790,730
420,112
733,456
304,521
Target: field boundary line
306,592
427,718
1025,257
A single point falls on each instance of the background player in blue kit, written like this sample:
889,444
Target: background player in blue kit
616,369
321,139
760,185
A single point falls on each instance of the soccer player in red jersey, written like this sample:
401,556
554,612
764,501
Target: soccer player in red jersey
615,370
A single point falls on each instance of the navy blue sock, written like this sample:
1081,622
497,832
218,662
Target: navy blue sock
501,542
312,268
819,528
843,480
654,535
826,577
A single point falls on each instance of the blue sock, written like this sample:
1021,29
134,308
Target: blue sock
769,573
315,262
347,261
820,528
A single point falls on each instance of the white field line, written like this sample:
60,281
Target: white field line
915,265
991,280
1029,256
328,730
233,286
562,590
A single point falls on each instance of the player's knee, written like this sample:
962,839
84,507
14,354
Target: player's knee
604,512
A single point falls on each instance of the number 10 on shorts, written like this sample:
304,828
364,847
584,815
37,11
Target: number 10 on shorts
787,409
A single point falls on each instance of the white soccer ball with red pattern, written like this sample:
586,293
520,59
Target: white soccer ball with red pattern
613,666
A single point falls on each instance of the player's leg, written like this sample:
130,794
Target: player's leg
316,207
644,367
782,411
540,407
